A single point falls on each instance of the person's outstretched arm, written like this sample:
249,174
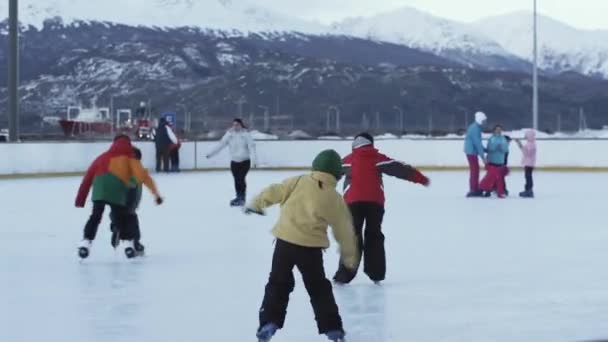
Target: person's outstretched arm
222,144
400,170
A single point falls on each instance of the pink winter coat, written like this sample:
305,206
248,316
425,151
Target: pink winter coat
529,149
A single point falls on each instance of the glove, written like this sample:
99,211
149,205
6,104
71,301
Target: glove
79,203
421,179
249,211
426,182
159,200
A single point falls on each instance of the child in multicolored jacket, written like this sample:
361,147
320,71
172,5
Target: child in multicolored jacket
110,176
309,203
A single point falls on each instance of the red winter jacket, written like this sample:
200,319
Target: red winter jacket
364,168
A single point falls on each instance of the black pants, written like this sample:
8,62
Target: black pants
162,159
175,159
239,172
131,231
529,181
119,213
281,283
370,242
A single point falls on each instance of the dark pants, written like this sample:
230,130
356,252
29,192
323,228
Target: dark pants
309,262
131,231
162,159
529,170
473,161
119,213
370,242
239,172
174,159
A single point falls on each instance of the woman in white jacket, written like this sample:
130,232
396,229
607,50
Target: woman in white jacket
243,157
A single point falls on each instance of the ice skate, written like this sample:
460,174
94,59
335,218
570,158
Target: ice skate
335,335
266,332
239,201
84,249
526,194
235,202
130,252
139,248
474,194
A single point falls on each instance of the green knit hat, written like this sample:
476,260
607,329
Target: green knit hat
328,161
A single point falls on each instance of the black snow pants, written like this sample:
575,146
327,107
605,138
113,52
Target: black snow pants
119,217
174,154
281,283
370,242
529,179
131,230
239,172
162,159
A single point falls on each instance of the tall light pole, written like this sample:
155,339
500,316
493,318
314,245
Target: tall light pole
239,104
535,72
337,110
266,118
13,72
400,118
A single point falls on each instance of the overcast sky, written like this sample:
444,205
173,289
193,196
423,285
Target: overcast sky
589,14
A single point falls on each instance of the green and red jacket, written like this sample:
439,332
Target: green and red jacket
111,173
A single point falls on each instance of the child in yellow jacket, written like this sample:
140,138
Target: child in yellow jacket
309,203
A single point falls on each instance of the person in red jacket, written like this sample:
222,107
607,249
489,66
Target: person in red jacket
364,194
110,176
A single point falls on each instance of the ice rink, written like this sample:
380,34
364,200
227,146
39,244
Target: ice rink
481,270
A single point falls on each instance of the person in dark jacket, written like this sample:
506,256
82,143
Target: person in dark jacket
174,150
364,195
131,218
163,138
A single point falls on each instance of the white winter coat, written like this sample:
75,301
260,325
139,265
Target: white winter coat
241,145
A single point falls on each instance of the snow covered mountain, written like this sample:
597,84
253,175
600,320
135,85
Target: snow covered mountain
561,47
500,43
449,39
214,14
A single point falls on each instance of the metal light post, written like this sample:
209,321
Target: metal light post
13,72
266,118
239,104
337,110
400,118
535,72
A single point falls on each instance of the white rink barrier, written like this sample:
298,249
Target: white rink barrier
74,157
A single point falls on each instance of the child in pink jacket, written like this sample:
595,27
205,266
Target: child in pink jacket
528,161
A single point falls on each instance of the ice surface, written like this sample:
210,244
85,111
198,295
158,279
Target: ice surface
458,270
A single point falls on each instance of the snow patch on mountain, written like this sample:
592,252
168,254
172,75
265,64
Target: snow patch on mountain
219,14
561,47
411,27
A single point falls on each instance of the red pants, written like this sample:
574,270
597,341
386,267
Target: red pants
494,179
473,172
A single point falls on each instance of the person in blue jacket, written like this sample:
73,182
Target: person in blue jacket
473,148
498,147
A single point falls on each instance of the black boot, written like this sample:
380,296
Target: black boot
139,248
477,193
526,194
